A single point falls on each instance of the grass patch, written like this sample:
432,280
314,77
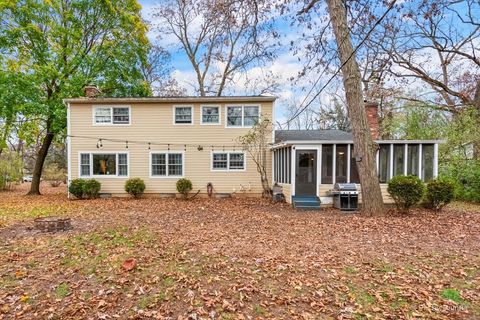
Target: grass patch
259,310
62,291
350,270
365,299
146,302
451,294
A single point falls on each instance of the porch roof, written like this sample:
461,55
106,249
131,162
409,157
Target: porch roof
312,135
289,137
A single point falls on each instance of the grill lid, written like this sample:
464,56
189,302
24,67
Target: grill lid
345,187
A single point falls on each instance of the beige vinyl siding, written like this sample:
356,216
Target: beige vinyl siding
287,192
154,122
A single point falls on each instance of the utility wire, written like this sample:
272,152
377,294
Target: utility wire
302,109
326,67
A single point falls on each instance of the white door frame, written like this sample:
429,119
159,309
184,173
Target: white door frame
318,148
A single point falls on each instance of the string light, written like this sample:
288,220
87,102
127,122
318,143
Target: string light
149,144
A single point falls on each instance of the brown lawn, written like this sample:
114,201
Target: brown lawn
234,259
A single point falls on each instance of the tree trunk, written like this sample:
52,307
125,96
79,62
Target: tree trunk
42,154
476,141
372,200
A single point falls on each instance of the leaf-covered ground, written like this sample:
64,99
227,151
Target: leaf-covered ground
234,259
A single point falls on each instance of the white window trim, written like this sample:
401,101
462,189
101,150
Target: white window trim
243,114
228,152
166,176
91,175
95,107
183,106
219,115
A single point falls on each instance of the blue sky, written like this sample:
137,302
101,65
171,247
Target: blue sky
285,66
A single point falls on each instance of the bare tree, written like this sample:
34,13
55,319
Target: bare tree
219,37
157,72
307,120
256,143
364,145
436,43
334,116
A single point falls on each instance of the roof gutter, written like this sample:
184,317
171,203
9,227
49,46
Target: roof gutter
84,100
285,143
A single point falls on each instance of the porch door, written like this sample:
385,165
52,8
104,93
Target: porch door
306,173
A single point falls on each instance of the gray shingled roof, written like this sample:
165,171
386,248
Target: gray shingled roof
312,135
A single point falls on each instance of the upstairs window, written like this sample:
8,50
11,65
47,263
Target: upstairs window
210,115
111,115
183,115
242,116
228,161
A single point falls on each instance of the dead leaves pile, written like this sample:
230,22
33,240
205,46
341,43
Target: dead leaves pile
236,259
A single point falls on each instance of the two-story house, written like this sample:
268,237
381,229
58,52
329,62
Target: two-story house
163,139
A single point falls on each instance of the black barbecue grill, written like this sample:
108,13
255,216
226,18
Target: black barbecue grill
345,196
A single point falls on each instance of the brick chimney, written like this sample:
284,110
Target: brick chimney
91,91
371,109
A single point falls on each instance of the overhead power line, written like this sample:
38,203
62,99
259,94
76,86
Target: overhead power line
302,109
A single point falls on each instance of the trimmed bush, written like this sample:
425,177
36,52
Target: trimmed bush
184,186
76,188
91,188
440,192
406,191
135,187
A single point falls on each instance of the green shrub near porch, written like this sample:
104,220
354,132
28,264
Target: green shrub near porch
440,192
135,187
406,191
184,186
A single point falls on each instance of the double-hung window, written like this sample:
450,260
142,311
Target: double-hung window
111,115
104,164
228,161
210,114
183,114
166,164
242,116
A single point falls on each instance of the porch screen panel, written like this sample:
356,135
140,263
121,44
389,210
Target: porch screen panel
289,165
412,165
282,165
398,159
275,164
384,163
341,163
327,164
427,162
354,177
